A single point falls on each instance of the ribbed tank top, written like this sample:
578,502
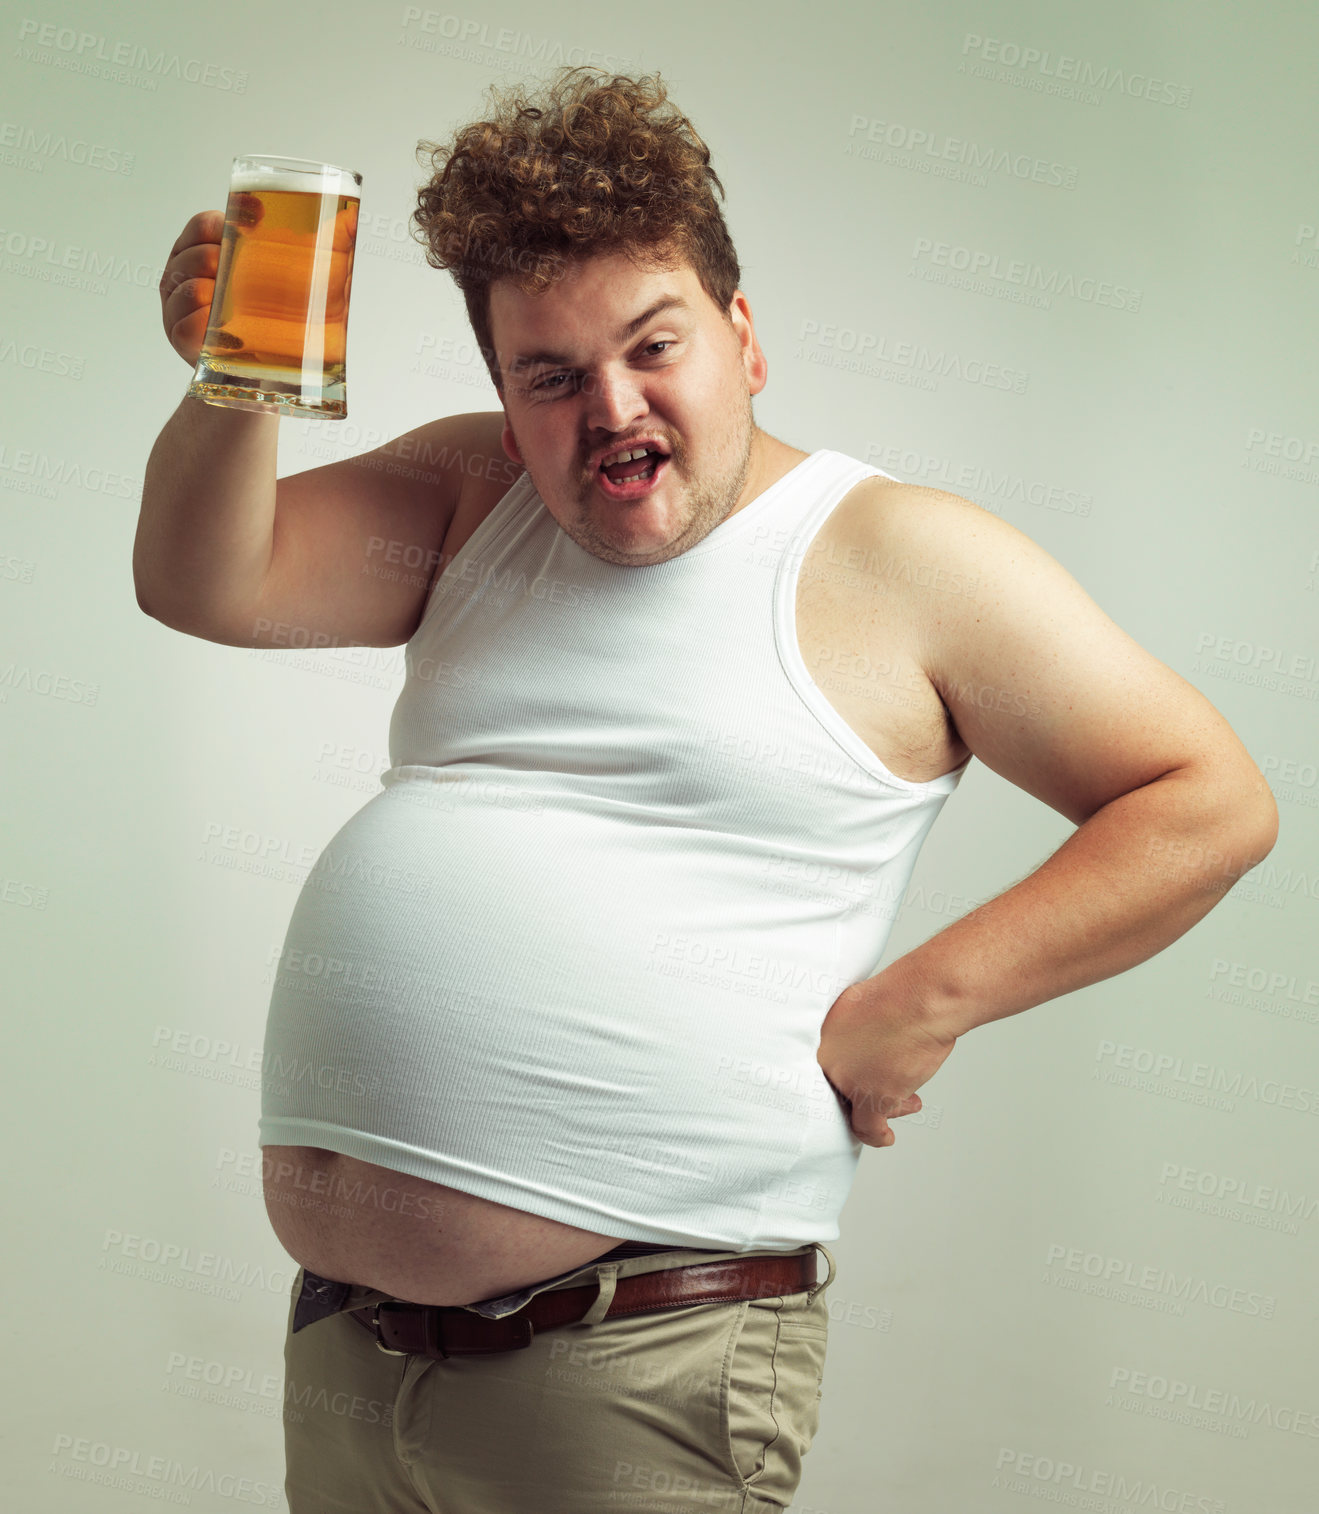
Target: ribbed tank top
574,957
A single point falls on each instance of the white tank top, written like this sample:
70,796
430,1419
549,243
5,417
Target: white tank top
575,956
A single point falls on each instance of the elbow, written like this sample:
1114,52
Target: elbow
138,569
1235,812
1266,829
149,606
1255,820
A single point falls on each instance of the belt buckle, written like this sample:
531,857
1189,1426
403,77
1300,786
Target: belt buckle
375,1325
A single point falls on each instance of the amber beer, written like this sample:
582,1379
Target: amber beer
278,326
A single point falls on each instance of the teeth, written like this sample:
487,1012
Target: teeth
625,456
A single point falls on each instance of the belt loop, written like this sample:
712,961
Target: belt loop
608,1276
829,1257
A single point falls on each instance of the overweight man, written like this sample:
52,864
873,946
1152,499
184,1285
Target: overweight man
578,1030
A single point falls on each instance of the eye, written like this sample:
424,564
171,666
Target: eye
666,342
549,383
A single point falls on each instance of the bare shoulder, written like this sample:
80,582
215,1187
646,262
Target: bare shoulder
1041,684
965,576
486,472
907,534
955,571
898,552
462,458
465,448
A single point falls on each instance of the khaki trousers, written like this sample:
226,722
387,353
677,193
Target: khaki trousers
706,1406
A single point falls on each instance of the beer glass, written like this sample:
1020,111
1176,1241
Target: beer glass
278,326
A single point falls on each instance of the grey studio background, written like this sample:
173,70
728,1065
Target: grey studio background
1062,260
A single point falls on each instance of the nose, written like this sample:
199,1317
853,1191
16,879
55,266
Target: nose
614,400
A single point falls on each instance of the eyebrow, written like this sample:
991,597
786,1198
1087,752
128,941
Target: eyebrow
523,360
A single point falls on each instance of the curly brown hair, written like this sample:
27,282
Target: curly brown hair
593,165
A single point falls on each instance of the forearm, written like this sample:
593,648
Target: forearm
205,533
1129,881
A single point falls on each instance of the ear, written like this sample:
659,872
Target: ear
510,445
753,359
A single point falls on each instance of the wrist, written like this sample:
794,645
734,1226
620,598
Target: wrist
917,998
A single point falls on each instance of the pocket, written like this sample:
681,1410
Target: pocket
294,1293
770,1394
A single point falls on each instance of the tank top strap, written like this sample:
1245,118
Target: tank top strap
800,511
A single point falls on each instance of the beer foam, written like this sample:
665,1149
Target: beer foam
330,180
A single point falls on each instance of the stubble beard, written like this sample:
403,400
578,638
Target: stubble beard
708,501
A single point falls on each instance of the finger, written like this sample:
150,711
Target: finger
186,290
186,336
202,261
885,1106
187,311
874,1133
248,209
205,226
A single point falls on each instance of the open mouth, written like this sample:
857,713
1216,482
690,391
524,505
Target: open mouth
634,475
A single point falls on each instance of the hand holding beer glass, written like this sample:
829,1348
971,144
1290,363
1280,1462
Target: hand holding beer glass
277,327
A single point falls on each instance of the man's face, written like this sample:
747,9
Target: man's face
592,366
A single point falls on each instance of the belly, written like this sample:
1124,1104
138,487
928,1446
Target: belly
357,1222
480,1050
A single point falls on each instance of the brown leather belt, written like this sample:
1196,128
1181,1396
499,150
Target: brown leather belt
442,1330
